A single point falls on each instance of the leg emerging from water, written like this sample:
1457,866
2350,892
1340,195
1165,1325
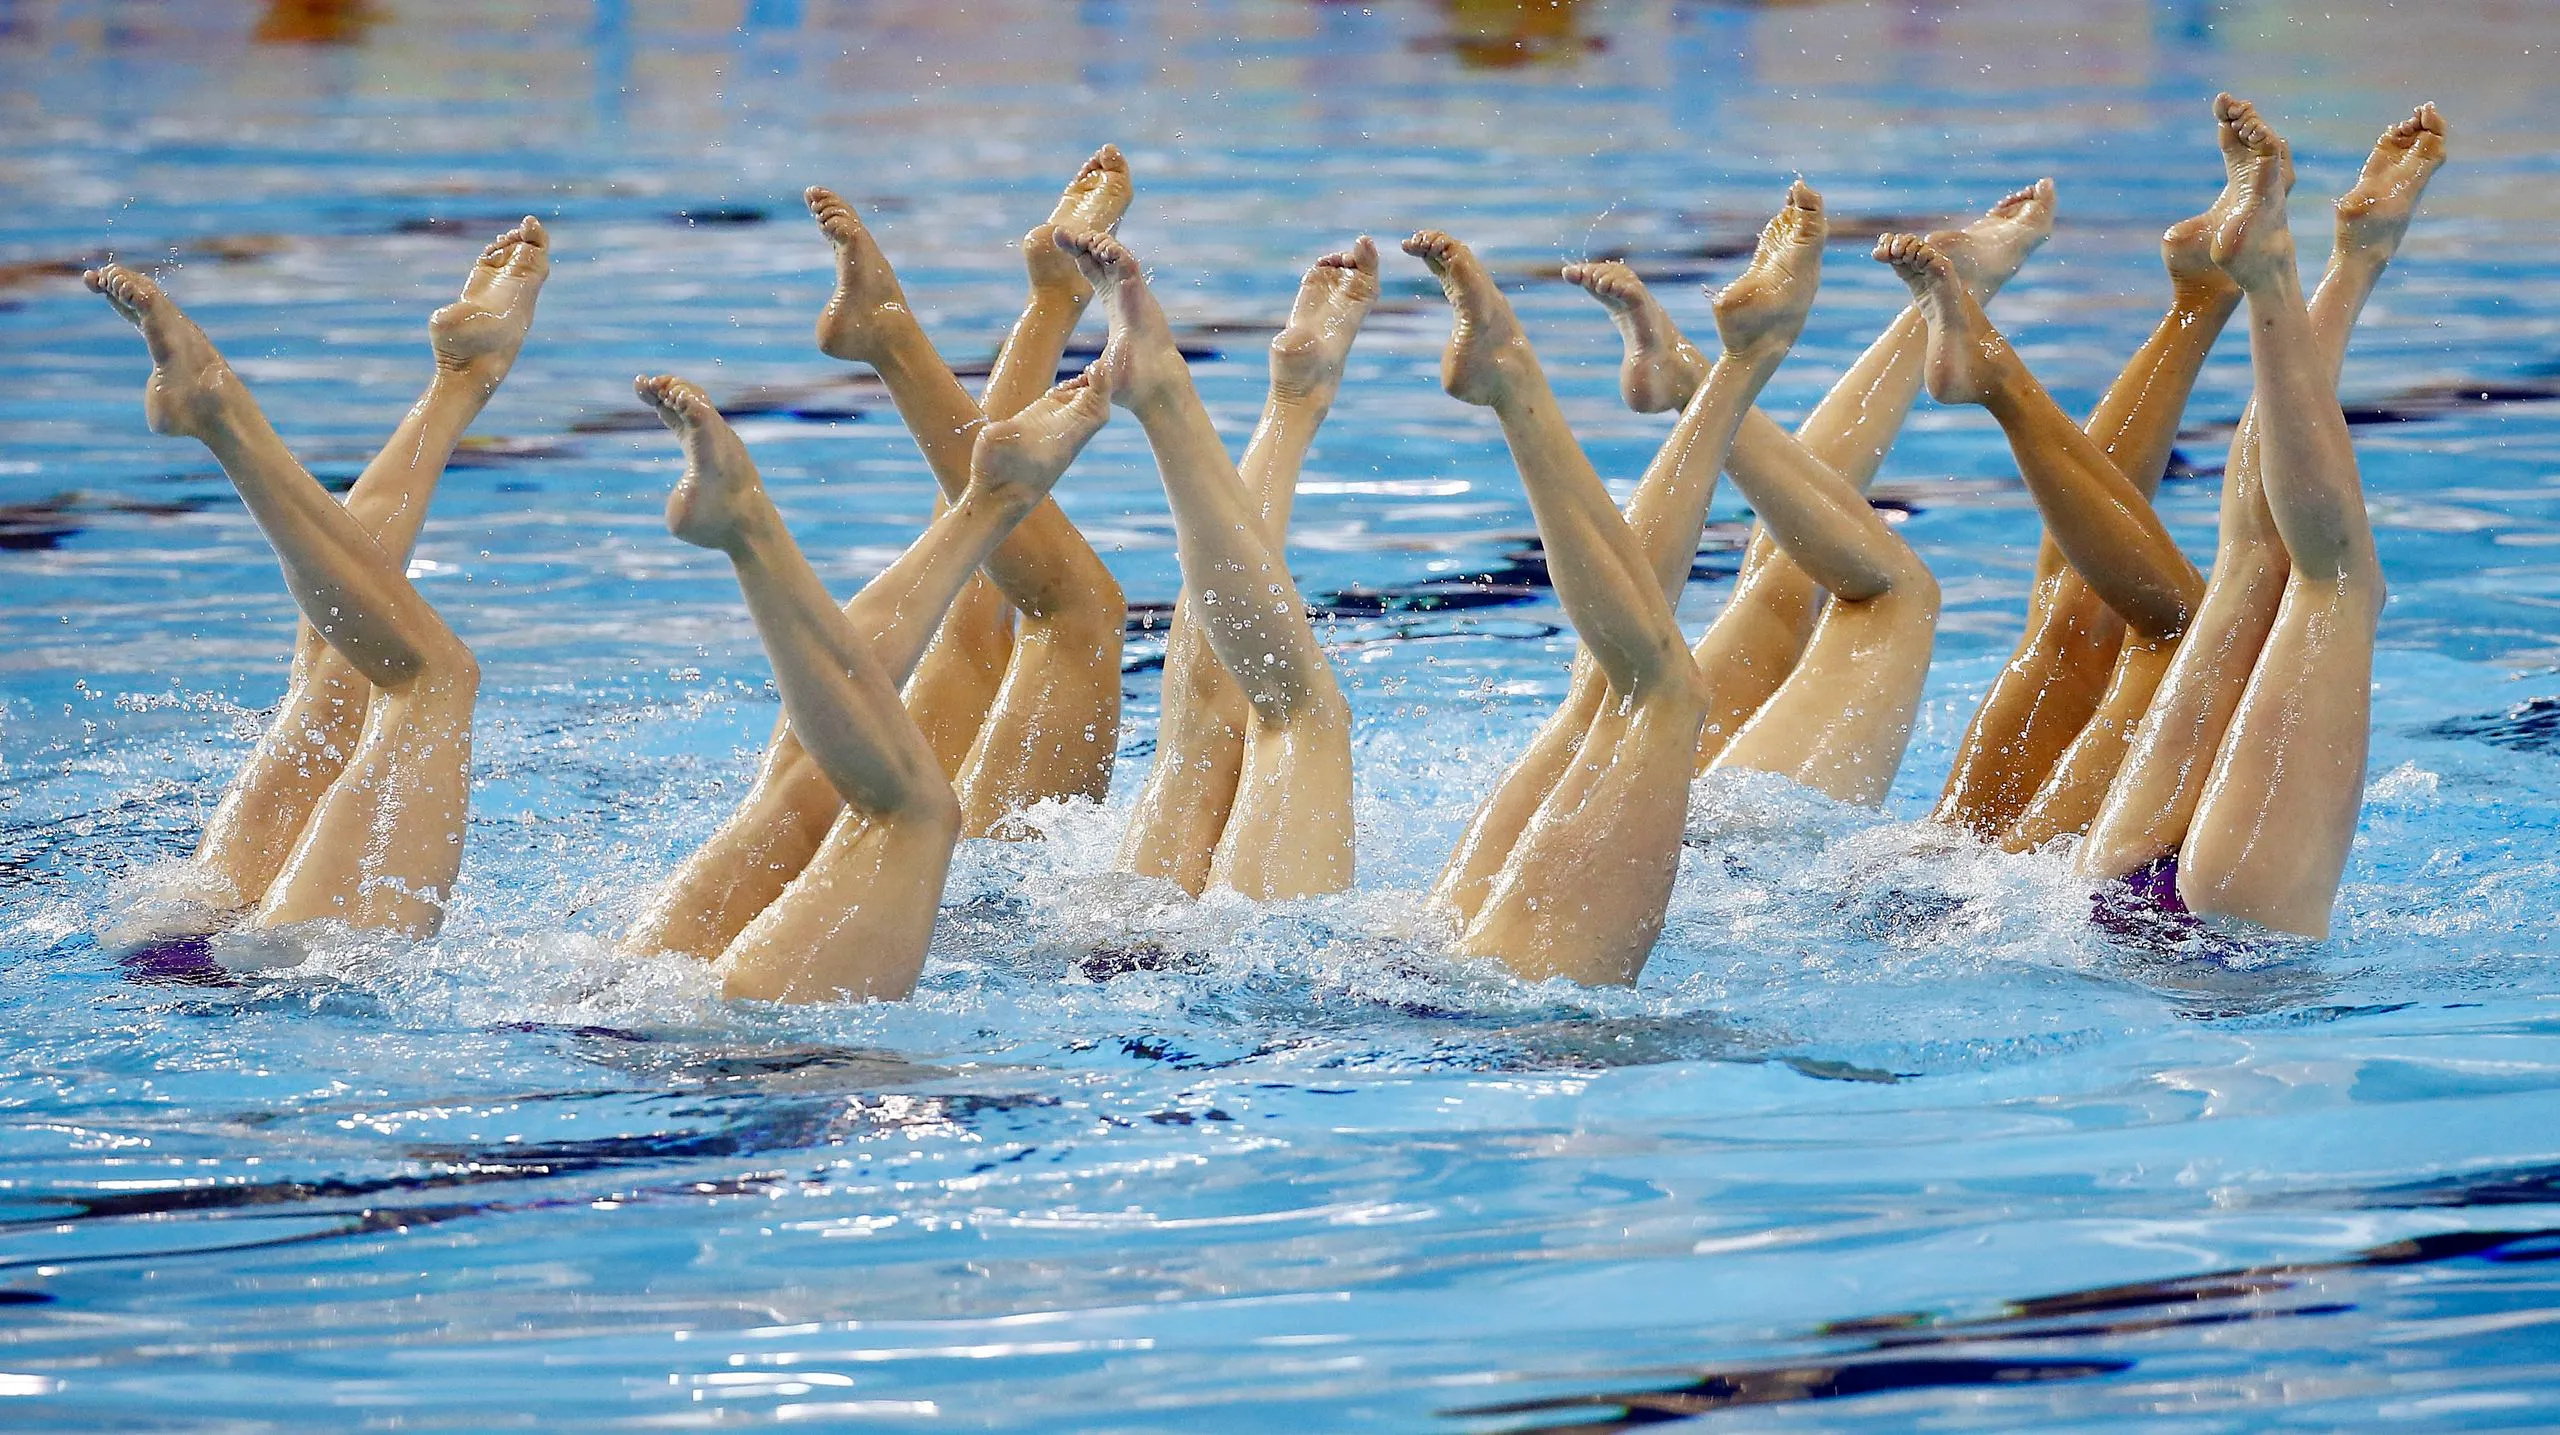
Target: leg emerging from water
1200,737
2148,807
1758,316
321,719
856,920
747,865
1289,831
382,847
1019,716
2278,814
2095,493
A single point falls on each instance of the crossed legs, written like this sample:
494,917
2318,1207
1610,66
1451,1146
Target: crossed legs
1756,638
855,919
380,841
1288,832
1191,787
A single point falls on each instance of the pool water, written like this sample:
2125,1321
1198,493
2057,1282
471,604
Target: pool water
1888,1137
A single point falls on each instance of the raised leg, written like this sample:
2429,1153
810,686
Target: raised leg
321,719
1191,785
1759,317
2149,805
1034,714
2098,517
2272,831
779,828
1582,892
381,849
1756,639
857,920
1289,831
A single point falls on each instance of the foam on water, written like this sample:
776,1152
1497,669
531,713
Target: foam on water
1891,1134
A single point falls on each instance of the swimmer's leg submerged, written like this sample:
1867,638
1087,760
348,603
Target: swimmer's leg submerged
1191,786
856,920
1582,890
321,719
2278,814
1761,314
1289,833
2148,807
382,847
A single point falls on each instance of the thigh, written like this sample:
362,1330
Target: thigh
1585,889
2278,814
1289,833
855,924
1055,726
382,849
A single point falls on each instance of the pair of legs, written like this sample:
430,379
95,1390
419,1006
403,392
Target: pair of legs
1182,813
352,807
1280,825
2113,594
1756,641
1582,877
854,920
1012,719
2153,806
1762,630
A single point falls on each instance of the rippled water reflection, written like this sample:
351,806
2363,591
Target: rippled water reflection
1889,1135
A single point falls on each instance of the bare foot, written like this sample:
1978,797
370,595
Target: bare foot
1093,204
480,333
867,296
1018,460
1487,351
1307,356
1967,356
1661,368
1988,253
1759,314
720,493
2376,212
1140,364
189,382
2253,243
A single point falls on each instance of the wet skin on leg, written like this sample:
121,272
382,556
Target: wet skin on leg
786,812
321,719
1289,832
1191,787
2098,518
380,850
2148,806
856,919
2278,815
1051,727
1756,638
1758,317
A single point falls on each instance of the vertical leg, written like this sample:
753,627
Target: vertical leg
385,842
1200,750
2278,814
1289,832
321,719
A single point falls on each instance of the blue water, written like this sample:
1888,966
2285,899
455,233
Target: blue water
1887,1138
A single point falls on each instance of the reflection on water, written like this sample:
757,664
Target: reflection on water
1140,1163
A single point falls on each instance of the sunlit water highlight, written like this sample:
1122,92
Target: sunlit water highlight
1891,1134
